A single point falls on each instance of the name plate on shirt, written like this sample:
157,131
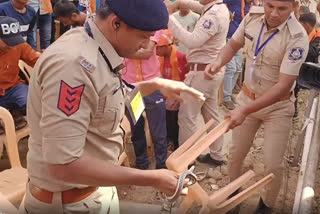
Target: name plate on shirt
135,105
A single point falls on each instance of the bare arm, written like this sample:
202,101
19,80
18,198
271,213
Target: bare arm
191,40
145,53
94,172
169,88
273,95
225,55
192,5
270,97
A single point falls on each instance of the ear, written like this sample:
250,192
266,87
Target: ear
74,16
115,21
296,5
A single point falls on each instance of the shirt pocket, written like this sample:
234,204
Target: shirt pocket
249,47
110,111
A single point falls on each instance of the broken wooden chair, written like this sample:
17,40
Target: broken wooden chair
12,181
217,203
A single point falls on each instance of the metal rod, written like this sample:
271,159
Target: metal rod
305,157
311,169
301,136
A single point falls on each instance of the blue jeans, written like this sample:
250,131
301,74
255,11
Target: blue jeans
44,24
233,70
156,115
15,98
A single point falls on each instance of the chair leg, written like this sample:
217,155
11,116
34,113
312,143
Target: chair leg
240,197
123,160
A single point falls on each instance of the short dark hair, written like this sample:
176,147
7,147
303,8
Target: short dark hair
104,11
308,18
65,8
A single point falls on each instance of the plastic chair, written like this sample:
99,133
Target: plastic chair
12,181
217,203
6,206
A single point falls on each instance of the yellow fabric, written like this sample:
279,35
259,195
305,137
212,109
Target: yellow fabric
173,63
138,70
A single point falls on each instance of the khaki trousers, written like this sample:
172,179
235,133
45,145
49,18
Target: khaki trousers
103,201
191,110
277,120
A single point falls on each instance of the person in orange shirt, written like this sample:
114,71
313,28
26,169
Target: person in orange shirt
174,66
13,92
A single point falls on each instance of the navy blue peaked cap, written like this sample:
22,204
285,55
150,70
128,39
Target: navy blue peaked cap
146,15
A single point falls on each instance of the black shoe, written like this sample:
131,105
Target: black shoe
208,159
263,208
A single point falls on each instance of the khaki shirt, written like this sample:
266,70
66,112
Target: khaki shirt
209,35
284,53
75,106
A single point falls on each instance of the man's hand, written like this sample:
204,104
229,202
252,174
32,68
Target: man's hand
172,104
171,6
211,70
237,117
167,181
169,89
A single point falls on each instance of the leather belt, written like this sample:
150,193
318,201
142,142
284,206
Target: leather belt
252,95
199,66
68,196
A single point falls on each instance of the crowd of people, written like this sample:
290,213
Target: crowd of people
77,95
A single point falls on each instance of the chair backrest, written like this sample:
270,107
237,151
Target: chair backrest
195,145
219,201
10,134
25,69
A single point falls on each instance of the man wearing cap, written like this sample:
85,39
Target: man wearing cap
75,105
21,11
204,43
145,66
13,91
173,65
275,45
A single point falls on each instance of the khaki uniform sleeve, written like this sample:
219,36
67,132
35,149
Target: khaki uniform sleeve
68,101
239,35
295,55
206,27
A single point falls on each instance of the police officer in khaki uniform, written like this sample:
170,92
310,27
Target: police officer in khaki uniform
75,105
275,45
204,43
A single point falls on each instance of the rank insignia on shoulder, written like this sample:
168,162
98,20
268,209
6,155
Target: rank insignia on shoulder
207,24
69,98
296,54
87,65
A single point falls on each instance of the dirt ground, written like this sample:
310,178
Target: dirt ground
253,161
